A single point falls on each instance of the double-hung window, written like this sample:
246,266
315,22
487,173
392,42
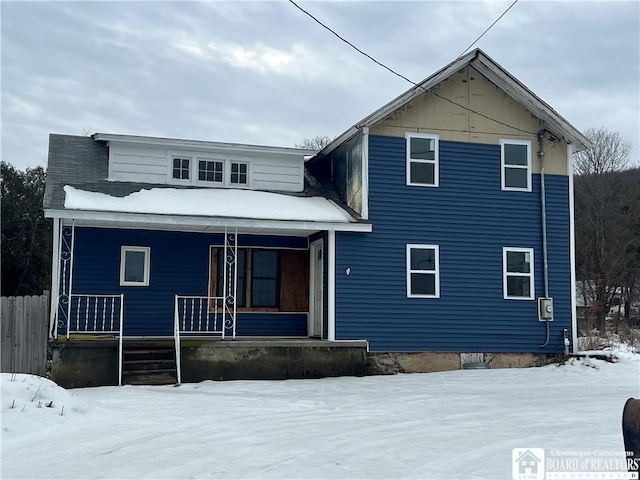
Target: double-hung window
134,266
423,271
422,159
181,167
517,273
239,173
515,161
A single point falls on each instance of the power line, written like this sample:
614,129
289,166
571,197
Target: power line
488,28
402,76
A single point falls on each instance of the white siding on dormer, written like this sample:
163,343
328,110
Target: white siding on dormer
278,174
151,164
129,163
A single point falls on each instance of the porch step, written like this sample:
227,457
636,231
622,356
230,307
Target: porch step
149,365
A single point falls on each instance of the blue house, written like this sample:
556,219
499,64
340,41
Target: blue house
440,224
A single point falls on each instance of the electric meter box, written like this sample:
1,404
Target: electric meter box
545,309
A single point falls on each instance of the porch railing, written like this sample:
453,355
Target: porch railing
96,314
196,316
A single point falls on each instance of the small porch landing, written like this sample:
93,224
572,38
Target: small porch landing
94,362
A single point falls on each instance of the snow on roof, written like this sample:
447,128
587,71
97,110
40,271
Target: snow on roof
211,203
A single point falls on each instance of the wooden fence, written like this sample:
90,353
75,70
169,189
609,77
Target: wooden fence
24,323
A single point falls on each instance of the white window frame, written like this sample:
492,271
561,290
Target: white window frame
435,161
531,274
181,180
195,158
239,162
196,177
123,251
504,166
411,246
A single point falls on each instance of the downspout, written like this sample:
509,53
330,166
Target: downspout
545,266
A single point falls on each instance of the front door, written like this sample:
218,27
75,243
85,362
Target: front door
316,277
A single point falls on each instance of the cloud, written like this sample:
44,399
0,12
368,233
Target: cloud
263,72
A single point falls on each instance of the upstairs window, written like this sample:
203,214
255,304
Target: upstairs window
239,173
210,171
422,159
134,266
423,271
181,167
515,158
517,272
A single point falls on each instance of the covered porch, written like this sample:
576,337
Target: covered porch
123,283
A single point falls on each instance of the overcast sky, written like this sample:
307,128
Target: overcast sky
265,73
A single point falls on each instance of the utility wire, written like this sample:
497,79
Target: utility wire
402,76
488,28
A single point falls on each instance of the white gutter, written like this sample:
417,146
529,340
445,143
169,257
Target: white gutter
199,144
216,222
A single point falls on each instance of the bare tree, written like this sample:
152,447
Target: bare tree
609,152
316,143
607,206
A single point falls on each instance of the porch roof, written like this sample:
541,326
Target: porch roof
207,210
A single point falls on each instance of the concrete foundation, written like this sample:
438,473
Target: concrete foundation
271,360
83,363
388,363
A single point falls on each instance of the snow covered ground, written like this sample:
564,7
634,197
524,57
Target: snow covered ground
460,424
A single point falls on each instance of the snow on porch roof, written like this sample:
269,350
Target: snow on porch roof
247,204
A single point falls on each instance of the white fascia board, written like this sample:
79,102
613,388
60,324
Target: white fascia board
520,93
397,102
200,144
494,72
177,220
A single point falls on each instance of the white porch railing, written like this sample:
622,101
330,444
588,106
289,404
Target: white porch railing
96,314
200,316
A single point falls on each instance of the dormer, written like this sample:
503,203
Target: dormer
204,164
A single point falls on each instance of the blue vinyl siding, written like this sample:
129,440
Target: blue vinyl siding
471,219
179,265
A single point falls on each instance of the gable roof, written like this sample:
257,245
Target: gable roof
495,73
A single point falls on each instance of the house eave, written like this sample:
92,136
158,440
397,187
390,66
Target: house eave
495,73
199,144
200,223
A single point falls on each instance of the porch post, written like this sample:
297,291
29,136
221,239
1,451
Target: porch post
230,281
73,242
55,280
331,285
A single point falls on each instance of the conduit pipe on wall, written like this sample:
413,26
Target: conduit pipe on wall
543,201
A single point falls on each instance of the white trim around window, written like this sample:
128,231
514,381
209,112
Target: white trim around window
518,267
182,165
239,174
134,269
423,159
216,171
515,165
423,271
